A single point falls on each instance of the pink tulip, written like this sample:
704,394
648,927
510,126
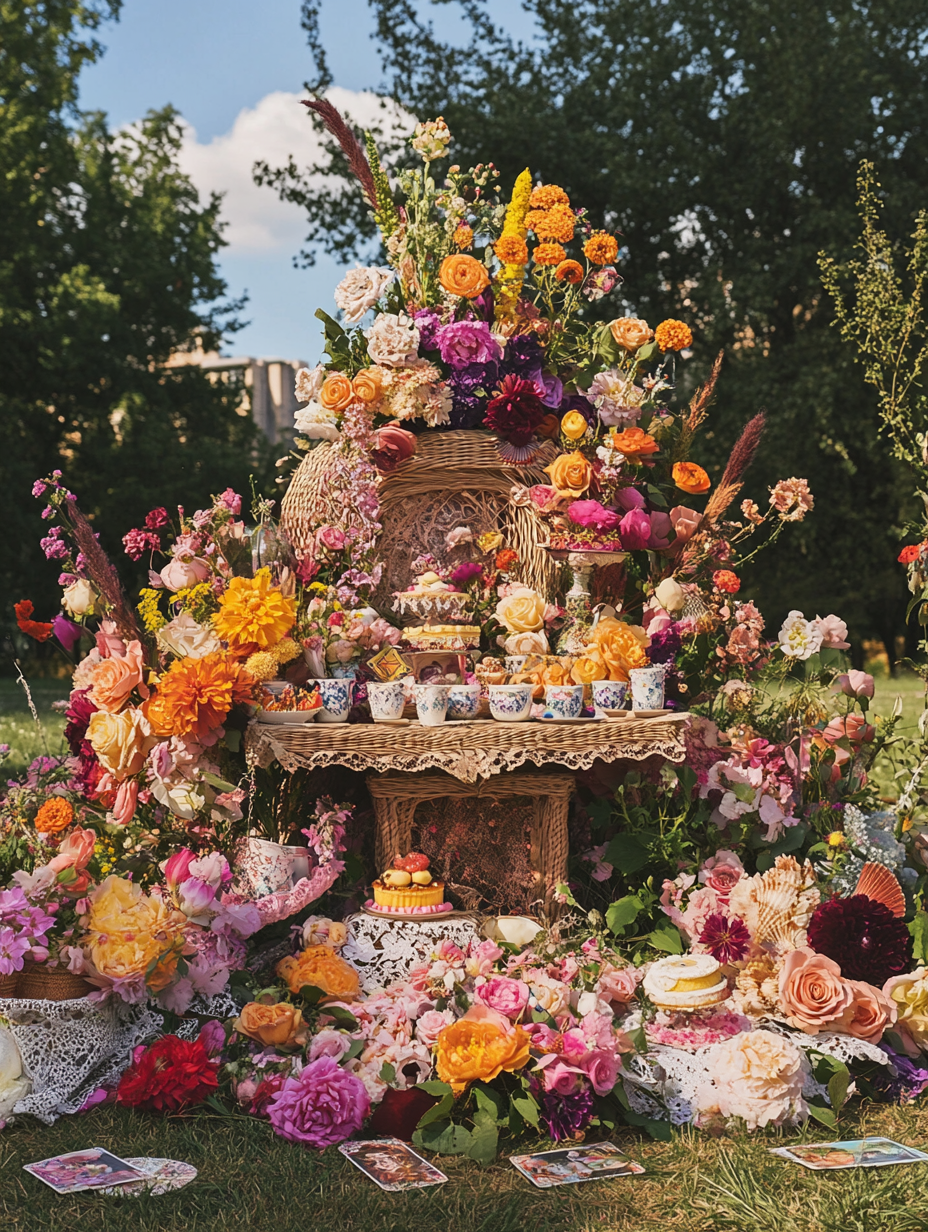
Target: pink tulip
684,522
177,867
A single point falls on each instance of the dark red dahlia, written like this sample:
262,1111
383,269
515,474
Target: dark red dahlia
727,940
172,1074
863,937
77,719
516,411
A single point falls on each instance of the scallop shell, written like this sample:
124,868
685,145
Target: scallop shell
777,905
878,883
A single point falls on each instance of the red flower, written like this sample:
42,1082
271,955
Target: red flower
170,1075
516,412
909,553
724,579
506,557
727,940
34,628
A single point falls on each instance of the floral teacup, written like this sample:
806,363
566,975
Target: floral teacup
565,701
647,687
387,699
609,694
464,701
510,703
432,703
336,700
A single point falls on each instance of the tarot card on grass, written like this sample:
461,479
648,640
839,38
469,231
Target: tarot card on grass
392,1164
853,1153
570,1165
90,1169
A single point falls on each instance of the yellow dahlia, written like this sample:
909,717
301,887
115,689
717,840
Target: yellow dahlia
253,614
673,335
195,695
285,651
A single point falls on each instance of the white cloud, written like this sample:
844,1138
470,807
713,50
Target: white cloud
273,130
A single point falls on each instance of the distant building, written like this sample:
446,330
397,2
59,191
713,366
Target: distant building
269,381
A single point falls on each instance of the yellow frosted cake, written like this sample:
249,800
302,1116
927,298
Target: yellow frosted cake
686,983
408,888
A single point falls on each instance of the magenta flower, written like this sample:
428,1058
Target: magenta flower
321,1105
66,631
467,342
592,513
231,500
157,518
727,940
466,573
635,529
137,542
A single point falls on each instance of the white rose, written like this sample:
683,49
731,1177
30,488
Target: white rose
360,289
670,595
317,423
14,1085
799,638
79,598
522,610
518,930
308,383
185,638
181,798
393,340
526,643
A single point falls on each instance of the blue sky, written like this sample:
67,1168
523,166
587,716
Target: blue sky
235,69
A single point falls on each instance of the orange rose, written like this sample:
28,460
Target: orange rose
114,679
336,392
812,994
478,1047
278,1026
54,816
634,443
570,473
556,673
463,275
367,385
321,967
691,478
870,1013
631,332
589,667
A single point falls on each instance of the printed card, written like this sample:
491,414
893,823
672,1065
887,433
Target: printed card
597,1162
392,1164
855,1153
91,1169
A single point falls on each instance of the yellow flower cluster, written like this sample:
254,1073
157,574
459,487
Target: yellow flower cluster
263,664
509,279
149,610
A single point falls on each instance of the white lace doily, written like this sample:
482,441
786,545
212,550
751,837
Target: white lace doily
69,1048
386,950
663,1082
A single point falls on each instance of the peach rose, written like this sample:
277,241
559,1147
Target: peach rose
120,741
336,392
570,473
180,574
368,385
685,522
275,1026
812,993
321,967
463,275
869,1014
631,332
690,478
115,678
522,611
617,984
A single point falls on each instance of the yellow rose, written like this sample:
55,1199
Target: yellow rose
336,392
570,473
277,1026
521,612
322,968
589,667
131,936
631,332
574,425
120,741
620,645
909,993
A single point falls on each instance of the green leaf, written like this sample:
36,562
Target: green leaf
491,1102
220,784
434,1087
660,1131
484,1139
233,739
825,1115
667,938
439,1111
527,1109
791,840
837,1089
623,912
626,853
445,1138
343,1017
638,1037
387,1073
355,1048
919,930
311,994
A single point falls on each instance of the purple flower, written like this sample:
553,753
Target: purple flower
467,342
908,1079
52,546
592,513
48,512
554,390
523,358
428,324
13,947
468,405
231,500
664,645
726,940
577,402
66,631
65,579
567,1116
213,1038
466,573
635,529
38,488
321,1105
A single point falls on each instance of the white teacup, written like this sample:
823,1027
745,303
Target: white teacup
387,699
432,703
510,703
464,701
647,687
336,700
609,694
565,701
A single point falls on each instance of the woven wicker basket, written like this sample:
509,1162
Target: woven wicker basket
9,984
455,479
41,983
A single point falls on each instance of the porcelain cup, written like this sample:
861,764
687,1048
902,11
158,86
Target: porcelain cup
387,699
609,694
464,701
647,685
510,703
336,700
432,703
565,701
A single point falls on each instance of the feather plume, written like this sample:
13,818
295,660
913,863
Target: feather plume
699,409
357,159
744,451
103,574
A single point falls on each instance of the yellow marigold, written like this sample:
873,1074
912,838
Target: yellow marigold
477,1048
511,249
558,223
54,816
131,937
253,614
286,650
673,335
463,236
601,248
262,665
569,271
546,195
195,695
549,254
322,968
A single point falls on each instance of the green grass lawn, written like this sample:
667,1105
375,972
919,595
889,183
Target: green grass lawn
251,1180
18,729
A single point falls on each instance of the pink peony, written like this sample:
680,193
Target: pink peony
856,684
591,513
321,1105
833,631
504,995
721,873
328,1043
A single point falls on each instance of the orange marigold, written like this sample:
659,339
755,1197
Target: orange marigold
463,236
472,1049
673,335
725,580
569,271
511,250
505,558
253,614
321,967
558,223
691,478
601,248
195,695
549,254
54,816
546,195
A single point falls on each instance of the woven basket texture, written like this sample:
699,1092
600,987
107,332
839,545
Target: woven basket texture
49,984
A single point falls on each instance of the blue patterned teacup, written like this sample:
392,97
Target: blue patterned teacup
387,699
432,703
464,701
510,703
336,700
609,694
647,687
565,701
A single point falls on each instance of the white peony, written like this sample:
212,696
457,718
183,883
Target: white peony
317,423
78,598
393,340
185,638
757,1077
14,1085
799,638
360,289
308,383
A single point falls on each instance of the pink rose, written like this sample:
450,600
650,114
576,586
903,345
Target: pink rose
562,1079
869,1014
812,994
482,957
75,851
543,496
833,631
504,995
180,574
329,1043
391,445
429,1024
617,984
661,527
602,1069
721,873
109,643
331,537
856,684
635,530
684,522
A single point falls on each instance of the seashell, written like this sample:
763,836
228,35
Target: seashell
776,906
878,883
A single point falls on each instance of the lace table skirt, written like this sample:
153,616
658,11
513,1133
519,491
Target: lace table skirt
387,950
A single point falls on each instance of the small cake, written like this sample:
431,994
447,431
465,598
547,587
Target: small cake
686,983
443,637
408,888
430,598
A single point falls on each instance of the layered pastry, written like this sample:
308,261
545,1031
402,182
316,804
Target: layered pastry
442,637
408,888
430,598
686,983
